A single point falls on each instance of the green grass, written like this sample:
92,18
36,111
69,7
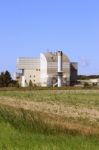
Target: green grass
13,139
35,121
88,98
25,130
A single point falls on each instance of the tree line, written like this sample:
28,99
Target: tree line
87,77
6,80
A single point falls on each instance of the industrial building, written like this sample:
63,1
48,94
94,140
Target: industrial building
50,69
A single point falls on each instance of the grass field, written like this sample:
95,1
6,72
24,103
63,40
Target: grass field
87,97
12,139
49,120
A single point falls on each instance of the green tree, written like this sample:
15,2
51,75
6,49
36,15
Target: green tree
2,78
30,84
8,78
5,79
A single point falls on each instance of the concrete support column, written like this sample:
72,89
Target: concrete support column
23,81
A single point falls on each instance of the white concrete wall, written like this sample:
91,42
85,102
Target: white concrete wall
43,70
33,75
23,81
49,71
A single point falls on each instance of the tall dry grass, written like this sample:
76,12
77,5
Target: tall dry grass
36,121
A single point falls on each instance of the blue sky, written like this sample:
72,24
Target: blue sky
28,27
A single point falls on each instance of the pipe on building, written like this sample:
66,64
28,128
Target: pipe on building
23,81
60,68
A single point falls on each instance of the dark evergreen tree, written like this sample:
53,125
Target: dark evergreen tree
5,79
8,78
2,79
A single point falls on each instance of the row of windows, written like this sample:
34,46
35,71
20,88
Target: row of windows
31,76
37,69
30,80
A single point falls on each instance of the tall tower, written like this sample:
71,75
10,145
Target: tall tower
60,68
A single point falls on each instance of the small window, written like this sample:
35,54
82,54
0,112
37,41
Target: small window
34,76
34,80
30,76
